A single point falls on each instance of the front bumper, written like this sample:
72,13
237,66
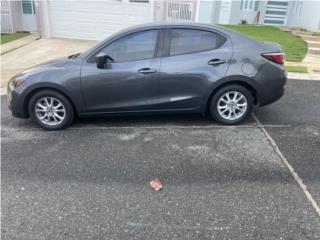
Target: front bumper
15,103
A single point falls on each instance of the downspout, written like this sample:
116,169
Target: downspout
43,18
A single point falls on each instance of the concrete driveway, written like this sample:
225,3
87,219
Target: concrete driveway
37,52
91,181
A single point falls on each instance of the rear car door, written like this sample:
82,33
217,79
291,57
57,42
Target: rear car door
194,59
129,83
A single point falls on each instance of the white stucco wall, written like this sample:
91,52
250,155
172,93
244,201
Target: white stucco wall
16,15
237,14
205,12
306,15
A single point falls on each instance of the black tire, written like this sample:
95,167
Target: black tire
69,111
213,107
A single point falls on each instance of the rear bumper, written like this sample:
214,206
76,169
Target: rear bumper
273,97
272,80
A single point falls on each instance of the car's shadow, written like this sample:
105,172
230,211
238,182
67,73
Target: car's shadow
151,121
181,120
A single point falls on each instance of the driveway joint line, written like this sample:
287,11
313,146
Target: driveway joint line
288,165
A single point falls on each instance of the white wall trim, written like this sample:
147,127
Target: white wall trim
197,11
45,18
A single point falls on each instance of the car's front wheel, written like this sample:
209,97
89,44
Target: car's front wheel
51,110
231,104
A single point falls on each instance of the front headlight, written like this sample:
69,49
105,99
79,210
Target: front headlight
16,82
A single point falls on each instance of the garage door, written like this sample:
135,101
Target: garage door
95,20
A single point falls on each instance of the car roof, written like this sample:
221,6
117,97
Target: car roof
155,24
230,33
176,24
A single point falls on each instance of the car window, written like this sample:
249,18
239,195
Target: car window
135,46
189,40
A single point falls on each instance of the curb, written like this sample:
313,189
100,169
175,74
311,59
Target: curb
303,76
11,46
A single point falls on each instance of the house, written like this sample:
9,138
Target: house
96,19
79,19
294,13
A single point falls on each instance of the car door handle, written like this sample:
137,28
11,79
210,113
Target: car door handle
216,62
147,70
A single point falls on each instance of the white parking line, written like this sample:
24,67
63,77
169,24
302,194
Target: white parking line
288,165
176,227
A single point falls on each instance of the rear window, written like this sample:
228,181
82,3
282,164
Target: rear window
184,41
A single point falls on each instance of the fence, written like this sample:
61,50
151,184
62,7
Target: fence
6,21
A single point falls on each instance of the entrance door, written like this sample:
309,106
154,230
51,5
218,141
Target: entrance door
276,13
29,21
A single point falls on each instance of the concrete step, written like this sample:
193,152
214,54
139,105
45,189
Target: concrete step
302,33
310,38
290,29
312,58
315,51
313,44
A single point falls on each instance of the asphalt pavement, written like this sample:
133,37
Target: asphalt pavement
91,181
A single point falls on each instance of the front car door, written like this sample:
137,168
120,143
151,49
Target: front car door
195,58
127,84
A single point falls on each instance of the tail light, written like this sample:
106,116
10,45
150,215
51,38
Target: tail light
274,57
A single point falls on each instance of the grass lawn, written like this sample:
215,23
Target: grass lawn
294,47
11,37
297,69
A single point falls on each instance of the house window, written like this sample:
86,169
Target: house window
27,7
249,5
278,3
275,12
256,5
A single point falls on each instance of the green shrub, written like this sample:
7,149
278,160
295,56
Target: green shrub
243,22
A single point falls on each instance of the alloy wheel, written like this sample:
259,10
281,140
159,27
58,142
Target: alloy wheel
50,111
232,105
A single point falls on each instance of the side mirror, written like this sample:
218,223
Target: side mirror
101,59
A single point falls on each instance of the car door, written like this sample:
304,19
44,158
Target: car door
194,59
129,82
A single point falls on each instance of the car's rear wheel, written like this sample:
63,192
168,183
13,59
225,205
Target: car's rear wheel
51,110
231,104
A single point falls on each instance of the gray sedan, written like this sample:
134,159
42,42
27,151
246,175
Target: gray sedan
150,69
